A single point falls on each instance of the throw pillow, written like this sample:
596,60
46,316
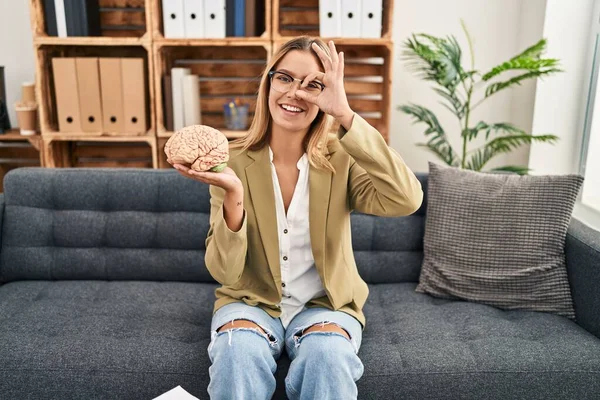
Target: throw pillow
498,239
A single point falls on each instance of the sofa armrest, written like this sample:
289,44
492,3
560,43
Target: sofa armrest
582,249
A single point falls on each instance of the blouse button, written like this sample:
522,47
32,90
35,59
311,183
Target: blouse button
285,231
284,258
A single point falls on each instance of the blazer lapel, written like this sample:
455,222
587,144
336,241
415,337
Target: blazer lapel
260,184
318,203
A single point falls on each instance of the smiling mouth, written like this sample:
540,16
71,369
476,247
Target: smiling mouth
291,109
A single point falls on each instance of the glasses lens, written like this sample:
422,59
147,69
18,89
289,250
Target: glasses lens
283,82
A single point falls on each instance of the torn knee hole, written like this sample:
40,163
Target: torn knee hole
320,327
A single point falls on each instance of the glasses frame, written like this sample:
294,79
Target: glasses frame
271,73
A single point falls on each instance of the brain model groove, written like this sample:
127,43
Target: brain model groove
200,147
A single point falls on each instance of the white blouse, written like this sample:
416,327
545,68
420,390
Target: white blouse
300,280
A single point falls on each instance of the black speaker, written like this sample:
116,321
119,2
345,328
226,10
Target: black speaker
4,119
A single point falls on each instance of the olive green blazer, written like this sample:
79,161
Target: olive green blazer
370,178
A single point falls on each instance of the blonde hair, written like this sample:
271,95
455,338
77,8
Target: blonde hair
315,141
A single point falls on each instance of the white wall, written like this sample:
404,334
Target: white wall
16,50
500,29
560,102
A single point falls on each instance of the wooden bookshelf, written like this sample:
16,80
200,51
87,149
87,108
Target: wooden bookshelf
228,67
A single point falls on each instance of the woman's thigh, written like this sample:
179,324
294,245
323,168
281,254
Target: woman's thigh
320,315
241,311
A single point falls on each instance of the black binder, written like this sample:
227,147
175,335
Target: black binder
50,17
83,17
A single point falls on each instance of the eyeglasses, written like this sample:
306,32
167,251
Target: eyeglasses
282,82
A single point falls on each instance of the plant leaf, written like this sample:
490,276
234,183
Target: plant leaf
529,59
503,144
435,59
443,150
498,86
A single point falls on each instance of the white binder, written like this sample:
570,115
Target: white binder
173,16
351,18
61,19
214,18
177,75
194,18
371,18
330,18
191,100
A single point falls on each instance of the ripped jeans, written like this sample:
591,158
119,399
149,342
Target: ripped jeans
324,365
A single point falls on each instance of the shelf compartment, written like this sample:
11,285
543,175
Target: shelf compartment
263,27
45,88
224,73
85,152
293,18
118,19
367,78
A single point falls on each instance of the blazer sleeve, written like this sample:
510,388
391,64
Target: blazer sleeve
379,181
226,250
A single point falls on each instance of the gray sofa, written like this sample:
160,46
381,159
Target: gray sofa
105,295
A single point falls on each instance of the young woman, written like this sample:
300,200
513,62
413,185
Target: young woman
279,241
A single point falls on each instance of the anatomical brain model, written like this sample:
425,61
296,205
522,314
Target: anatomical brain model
199,147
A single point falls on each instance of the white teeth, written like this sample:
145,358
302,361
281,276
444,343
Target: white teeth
290,108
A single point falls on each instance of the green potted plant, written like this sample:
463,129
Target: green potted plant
438,60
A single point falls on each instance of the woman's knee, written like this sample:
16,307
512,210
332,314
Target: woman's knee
241,339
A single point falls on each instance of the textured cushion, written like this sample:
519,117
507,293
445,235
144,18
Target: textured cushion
498,239
136,340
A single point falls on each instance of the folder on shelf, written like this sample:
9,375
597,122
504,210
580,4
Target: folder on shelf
67,98
330,18
177,75
239,27
351,18
251,18
214,19
173,19
134,95
50,18
61,20
83,17
191,100
371,18
90,103
168,102
230,18
112,97
194,18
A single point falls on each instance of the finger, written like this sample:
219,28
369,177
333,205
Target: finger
334,55
311,98
311,77
341,65
325,60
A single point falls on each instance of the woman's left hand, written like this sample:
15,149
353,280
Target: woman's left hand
332,100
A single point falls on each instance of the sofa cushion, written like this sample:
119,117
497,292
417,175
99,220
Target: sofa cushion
104,224
499,239
419,347
136,340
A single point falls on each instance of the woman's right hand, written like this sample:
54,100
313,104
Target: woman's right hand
226,179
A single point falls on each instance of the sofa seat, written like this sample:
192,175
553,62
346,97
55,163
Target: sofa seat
78,337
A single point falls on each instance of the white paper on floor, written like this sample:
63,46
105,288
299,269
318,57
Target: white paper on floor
177,393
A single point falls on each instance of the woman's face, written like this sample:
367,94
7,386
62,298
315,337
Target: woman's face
297,64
